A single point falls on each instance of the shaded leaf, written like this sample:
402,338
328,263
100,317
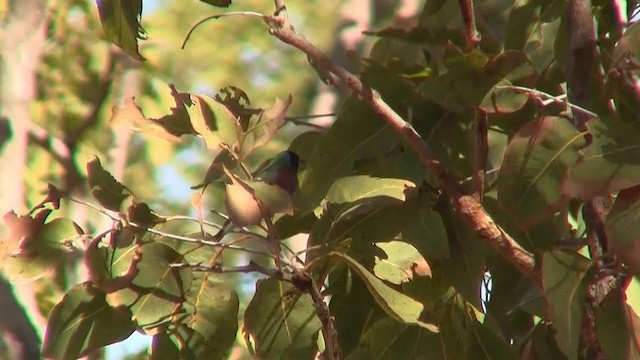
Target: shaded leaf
83,322
535,169
141,214
218,3
358,132
157,289
104,187
390,339
617,327
611,163
281,321
213,309
121,23
394,303
425,230
562,278
623,230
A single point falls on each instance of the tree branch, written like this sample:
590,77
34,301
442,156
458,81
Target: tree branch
466,206
581,67
468,16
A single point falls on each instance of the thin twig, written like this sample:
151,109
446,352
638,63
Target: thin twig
541,94
466,206
471,33
219,269
217,16
481,145
201,241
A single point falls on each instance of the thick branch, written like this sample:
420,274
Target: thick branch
468,207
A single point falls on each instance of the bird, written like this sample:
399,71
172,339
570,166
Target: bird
281,170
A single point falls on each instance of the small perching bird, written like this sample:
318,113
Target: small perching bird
273,184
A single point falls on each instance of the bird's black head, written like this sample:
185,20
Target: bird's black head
294,159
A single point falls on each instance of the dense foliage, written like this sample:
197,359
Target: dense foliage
476,197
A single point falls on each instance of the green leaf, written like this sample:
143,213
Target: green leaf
508,69
354,188
182,342
358,132
562,278
218,3
213,121
618,328
121,23
281,322
627,50
622,225
264,127
485,344
83,322
346,288
398,265
390,339
535,169
425,230
523,24
157,288
213,309
40,247
611,163
104,187
394,303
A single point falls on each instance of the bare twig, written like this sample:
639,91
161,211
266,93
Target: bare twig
481,129
218,16
468,16
219,269
548,98
467,206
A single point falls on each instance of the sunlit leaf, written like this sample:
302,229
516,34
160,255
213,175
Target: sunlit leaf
400,262
213,121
